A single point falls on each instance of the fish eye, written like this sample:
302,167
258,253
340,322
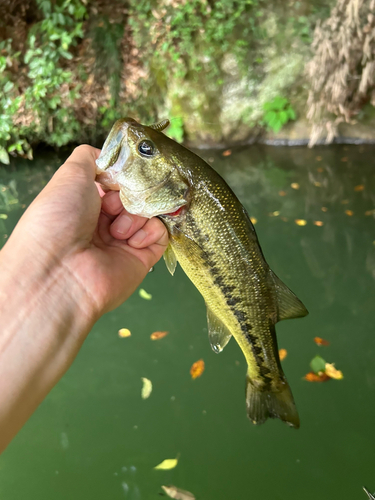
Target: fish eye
146,148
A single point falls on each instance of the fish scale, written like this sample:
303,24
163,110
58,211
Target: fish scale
213,239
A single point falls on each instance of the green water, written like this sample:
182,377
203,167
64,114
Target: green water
94,438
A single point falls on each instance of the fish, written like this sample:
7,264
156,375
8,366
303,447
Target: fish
211,236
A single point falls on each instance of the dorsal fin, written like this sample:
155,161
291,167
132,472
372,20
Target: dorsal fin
288,304
218,333
160,125
170,259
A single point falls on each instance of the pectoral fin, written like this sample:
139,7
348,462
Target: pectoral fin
170,259
289,305
218,333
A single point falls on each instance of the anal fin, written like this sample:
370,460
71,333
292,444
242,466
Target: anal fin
289,305
218,333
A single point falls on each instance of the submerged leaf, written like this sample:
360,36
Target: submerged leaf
282,193
158,335
360,187
144,294
332,372
283,353
318,364
320,341
169,463
177,493
124,332
197,369
314,377
146,388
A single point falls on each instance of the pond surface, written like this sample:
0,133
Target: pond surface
94,437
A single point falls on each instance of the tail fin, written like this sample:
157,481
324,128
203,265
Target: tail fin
274,402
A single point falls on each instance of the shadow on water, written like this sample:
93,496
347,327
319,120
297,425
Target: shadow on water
94,437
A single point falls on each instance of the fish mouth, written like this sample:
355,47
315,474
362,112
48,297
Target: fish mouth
115,150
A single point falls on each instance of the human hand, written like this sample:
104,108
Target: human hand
100,246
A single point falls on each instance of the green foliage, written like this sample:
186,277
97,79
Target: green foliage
318,364
277,113
176,129
43,110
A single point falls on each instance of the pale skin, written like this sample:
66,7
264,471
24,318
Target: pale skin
74,255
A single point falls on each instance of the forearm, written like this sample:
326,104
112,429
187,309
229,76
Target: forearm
45,317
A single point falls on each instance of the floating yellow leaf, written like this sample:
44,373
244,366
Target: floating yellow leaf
317,184
316,377
294,185
282,354
324,209
300,222
320,341
144,294
197,369
282,193
124,332
360,187
177,493
158,335
3,216
276,213
349,212
228,152
169,463
254,220
318,223
146,388
332,372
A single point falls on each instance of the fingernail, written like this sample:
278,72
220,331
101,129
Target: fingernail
123,223
139,237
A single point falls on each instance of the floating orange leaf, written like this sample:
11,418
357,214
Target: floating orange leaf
313,377
294,185
158,335
254,220
283,353
124,332
349,212
318,223
301,222
282,193
332,372
360,187
320,341
197,369
228,152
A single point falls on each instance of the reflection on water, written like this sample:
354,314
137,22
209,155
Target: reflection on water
94,437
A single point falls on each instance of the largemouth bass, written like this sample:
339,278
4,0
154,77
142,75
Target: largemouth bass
213,239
